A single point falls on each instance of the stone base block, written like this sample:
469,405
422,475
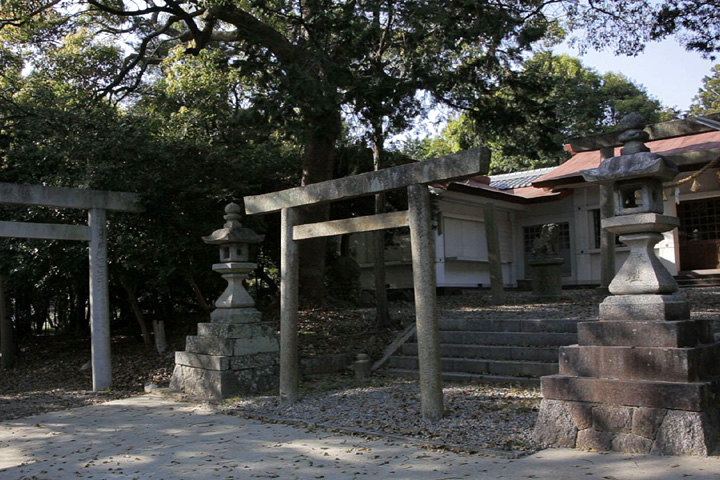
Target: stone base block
239,330
682,333
202,383
695,397
608,427
641,363
235,315
644,307
220,384
546,278
210,345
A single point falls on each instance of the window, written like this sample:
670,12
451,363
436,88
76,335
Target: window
699,219
597,229
465,239
532,233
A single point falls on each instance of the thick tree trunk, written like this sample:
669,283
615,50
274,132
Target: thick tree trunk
318,166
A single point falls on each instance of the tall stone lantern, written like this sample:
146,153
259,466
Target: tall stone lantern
236,352
234,242
644,378
643,289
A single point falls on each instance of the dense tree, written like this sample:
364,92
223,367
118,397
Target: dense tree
707,99
185,147
304,60
564,100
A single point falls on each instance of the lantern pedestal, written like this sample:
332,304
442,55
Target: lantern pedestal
236,353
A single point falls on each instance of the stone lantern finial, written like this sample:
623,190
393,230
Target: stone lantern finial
633,136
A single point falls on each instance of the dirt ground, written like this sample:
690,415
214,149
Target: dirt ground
49,377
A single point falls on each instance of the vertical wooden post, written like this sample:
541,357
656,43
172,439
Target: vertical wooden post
425,287
7,343
99,301
607,239
492,236
289,278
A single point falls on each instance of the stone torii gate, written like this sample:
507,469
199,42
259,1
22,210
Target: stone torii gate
97,203
418,217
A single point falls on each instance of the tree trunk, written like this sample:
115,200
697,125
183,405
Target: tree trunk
198,294
131,289
318,165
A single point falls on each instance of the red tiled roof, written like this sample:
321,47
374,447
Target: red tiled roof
668,146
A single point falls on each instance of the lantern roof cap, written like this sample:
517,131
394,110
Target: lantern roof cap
233,231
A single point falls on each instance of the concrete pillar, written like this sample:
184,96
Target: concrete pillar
422,241
492,236
99,301
7,345
607,239
289,279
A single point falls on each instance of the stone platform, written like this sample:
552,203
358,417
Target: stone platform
227,359
636,387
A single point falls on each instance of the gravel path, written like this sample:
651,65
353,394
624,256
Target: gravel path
478,417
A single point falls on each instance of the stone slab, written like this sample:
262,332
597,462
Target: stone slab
688,433
209,345
207,384
641,363
629,429
63,197
199,360
682,333
44,231
693,397
235,315
255,345
640,222
238,330
644,307
256,360
259,380
468,163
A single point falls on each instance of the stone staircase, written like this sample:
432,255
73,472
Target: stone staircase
698,279
493,351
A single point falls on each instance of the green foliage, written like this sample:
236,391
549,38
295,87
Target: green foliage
553,98
707,99
627,25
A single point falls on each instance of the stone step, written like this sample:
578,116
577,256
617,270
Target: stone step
482,367
495,325
539,339
491,352
461,377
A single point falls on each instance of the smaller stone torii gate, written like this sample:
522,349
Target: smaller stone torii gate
418,217
97,203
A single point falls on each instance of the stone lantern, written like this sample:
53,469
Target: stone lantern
234,242
237,353
643,288
644,377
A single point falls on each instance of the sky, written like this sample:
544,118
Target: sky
666,70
